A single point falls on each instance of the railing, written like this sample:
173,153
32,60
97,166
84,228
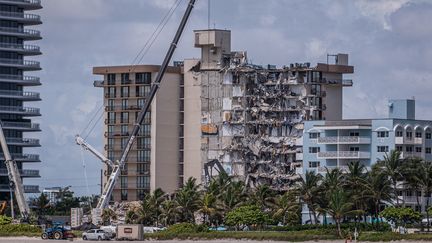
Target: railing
29,157
121,107
27,141
33,48
26,125
20,78
27,110
31,189
20,15
33,2
24,94
34,173
344,139
20,62
31,32
343,154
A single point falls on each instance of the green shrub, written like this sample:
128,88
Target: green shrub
5,220
246,215
381,227
19,230
183,228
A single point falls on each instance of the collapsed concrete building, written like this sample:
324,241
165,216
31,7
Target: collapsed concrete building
249,117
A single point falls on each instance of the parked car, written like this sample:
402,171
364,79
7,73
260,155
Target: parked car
96,234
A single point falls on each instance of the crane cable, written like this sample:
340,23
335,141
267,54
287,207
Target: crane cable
85,171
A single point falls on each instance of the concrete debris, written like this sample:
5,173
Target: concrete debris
260,114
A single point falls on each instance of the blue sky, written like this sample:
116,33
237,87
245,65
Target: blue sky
389,43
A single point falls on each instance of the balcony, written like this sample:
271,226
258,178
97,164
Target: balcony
25,4
20,95
22,64
23,173
19,79
405,155
28,50
21,126
25,111
23,157
26,34
344,140
20,17
343,82
27,188
343,155
25,142
122,108
407,140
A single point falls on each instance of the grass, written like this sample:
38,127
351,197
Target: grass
19,230
391,236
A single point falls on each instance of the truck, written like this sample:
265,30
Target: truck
130,232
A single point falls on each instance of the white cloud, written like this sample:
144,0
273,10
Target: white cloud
315,49
164,4
380,10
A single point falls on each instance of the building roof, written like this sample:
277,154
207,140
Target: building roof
133,68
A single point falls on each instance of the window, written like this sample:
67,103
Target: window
124,117
399,148
418,134
143,181
140,103
408,193
354,134
110,106
409,134
314,135
111,78
124,141
123,182
124,91
399,134
125,78
314,164
124,195
314,150
143,168
418,149
354,149
382,134
145,130
382,149
124,130
409,149
111,117
428,150
143,78
428,135
316,76
143,155
141,194
110,143
125,103
143,143
111,92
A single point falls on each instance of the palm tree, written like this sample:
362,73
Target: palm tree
411,169
339,207
169,212
147,213
187,199
108,215
233,196
309,191
131,217
355,182
263,197
392,167
208,206
378,190
287,206
424,178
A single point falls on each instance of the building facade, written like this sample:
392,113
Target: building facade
249,117
334,144
14,113
153,161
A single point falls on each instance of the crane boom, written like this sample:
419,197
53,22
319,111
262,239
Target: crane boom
80,141
14,177
104,199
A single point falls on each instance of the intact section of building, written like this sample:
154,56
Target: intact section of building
15,111
250,118
334,144
153,161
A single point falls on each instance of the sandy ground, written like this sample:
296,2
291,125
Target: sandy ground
35,240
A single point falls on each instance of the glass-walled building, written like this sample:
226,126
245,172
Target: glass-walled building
16,109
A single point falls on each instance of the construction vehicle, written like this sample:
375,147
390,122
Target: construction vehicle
15,180
57,232
116,166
